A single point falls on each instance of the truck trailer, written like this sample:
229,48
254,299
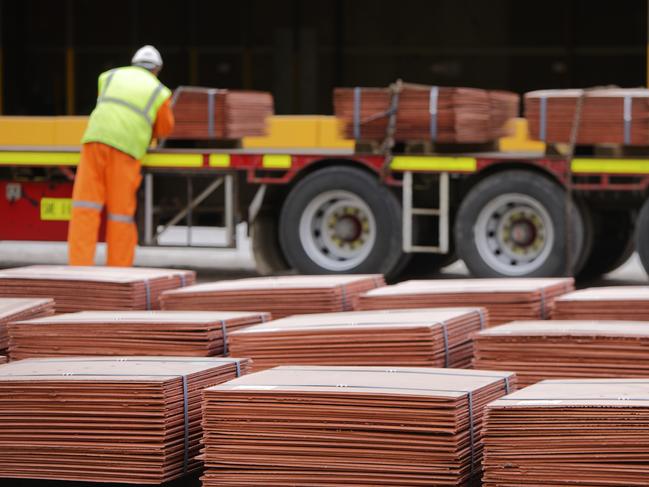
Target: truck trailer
344,210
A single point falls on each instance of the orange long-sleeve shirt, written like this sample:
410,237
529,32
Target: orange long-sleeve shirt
164,122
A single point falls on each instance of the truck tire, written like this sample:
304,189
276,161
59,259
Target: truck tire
613,242
341,220
266,250
642,235
512,224
588,238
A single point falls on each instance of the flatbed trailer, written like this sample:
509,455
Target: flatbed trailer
340,211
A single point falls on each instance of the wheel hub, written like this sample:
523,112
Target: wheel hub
346,226
514,234
523,233
337,230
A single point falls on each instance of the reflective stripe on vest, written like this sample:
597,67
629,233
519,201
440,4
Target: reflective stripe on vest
128,102
142,112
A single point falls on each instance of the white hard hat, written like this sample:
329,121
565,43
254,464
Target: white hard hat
148,57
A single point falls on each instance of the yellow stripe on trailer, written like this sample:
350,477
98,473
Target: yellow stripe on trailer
611,166
173,160
276,161
219,160
427,163
42,158
38,158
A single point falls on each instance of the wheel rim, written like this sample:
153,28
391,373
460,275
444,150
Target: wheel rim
337,230
514,234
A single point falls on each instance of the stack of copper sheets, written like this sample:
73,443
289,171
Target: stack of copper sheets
506,299
14,309
348,426
538,350
606,303
186,333
207,113
439,114
588,432
613,116
281,296
93,288
424,337
103,419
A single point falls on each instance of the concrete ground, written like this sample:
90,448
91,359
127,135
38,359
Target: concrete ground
213,263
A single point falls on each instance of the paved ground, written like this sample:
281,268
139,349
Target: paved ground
227,263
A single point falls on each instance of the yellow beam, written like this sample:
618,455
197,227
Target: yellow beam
69,81
1,82
193,66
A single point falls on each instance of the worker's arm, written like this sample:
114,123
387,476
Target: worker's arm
164,122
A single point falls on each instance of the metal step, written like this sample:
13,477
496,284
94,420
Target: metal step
441,213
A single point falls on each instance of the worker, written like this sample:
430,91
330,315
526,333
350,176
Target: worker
132,108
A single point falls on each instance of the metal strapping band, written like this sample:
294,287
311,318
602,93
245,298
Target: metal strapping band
147,290
446,351
152,98
432,110
262,318
507,386
542,303
224,332
543,113
482,320
357,113
186,421
628,107
87,204
471,432
237,363
183,281
344,291
210,113
116,217
127,104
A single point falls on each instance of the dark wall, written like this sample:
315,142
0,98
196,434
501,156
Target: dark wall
53,50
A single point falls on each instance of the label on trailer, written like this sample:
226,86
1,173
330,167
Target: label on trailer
56,209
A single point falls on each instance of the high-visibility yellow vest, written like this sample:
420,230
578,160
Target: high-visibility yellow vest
128,102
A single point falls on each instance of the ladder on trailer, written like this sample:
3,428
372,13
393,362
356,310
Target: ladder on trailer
441,213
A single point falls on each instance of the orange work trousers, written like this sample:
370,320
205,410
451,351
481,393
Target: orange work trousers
105,176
